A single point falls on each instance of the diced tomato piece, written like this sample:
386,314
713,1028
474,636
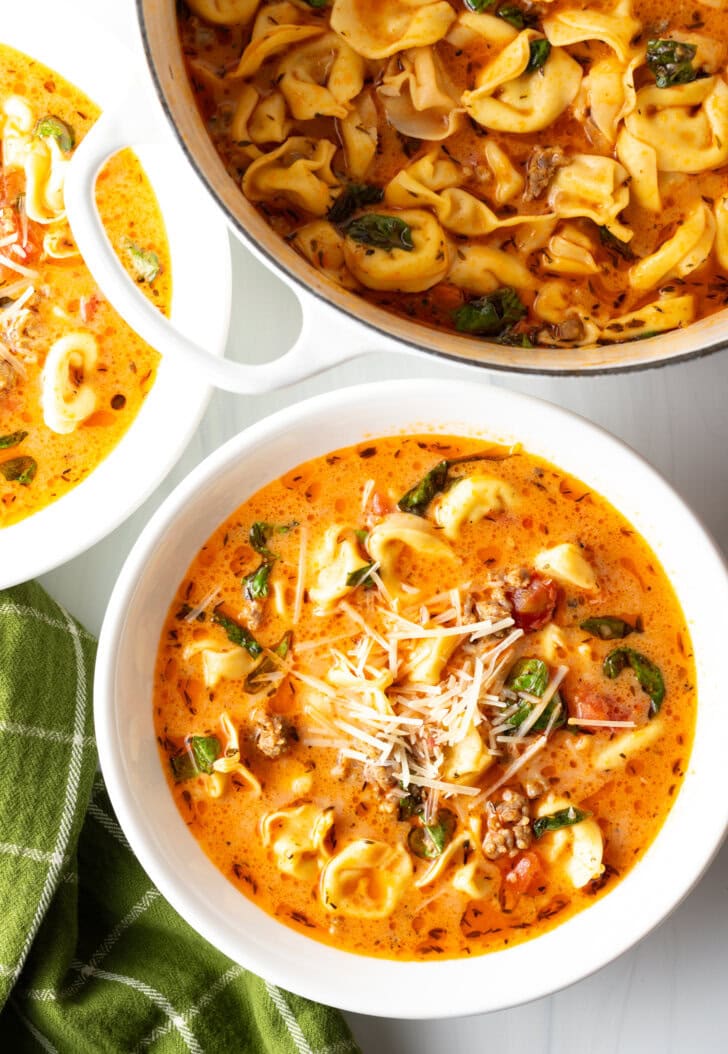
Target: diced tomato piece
525,873
589,704
380,505
533,604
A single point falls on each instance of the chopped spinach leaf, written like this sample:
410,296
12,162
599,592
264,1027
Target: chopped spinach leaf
607,627
257,679
383,232
255,585
411,805
479,5
491,315
538,53
20,470
528,675
556,820
52,127
429,840
197,757
647,673
316,3
360,577
144,262
671,62
525,709
261,533
354,196
238,634
437,480
615,244
516,16
13,439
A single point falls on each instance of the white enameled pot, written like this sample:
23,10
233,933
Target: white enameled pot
175,861
89,57
337,324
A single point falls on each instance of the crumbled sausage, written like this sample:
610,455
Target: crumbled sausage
271,733
569,329
540,169
508,826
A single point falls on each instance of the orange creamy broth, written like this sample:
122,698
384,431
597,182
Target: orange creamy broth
212,54
629,804
67,300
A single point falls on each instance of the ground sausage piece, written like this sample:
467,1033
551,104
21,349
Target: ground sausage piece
540,169
7,376
271,733
509,826
533,603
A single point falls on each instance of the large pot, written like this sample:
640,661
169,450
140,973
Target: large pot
356,326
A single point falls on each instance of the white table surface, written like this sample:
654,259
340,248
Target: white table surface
670,993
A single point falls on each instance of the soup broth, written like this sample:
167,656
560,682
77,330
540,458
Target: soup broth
73,375
424,697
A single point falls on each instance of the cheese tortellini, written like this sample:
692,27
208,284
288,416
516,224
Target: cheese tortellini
392,26
333,564
366,879
233,664
469,500
399,531
566,563
67,395
297,839
409,270
298,172
576,850
539,152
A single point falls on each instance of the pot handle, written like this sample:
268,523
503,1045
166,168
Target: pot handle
323,341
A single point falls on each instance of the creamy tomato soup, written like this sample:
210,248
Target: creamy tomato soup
424,697
541,174
73,376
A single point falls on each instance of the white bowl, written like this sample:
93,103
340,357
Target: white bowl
90,58
174,860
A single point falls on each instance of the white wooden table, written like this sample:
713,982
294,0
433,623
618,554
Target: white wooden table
670,993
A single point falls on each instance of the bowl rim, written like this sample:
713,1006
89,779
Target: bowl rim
307,982
410,334
107,496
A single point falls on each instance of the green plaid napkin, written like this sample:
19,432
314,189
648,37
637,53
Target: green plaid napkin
92,958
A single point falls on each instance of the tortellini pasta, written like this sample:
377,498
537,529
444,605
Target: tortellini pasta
233,664
687,250
403,530
469,500
500,141
394,25
482,269
510,98
360,135
595,187
333,564
323,246
577,849
225,12
566,563
299,172
416,98
429,657
625,745
366,879
686,125
574,25
297,838
468,758
409,270
300,72
67,396
41,159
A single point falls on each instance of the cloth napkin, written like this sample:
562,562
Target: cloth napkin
92,958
